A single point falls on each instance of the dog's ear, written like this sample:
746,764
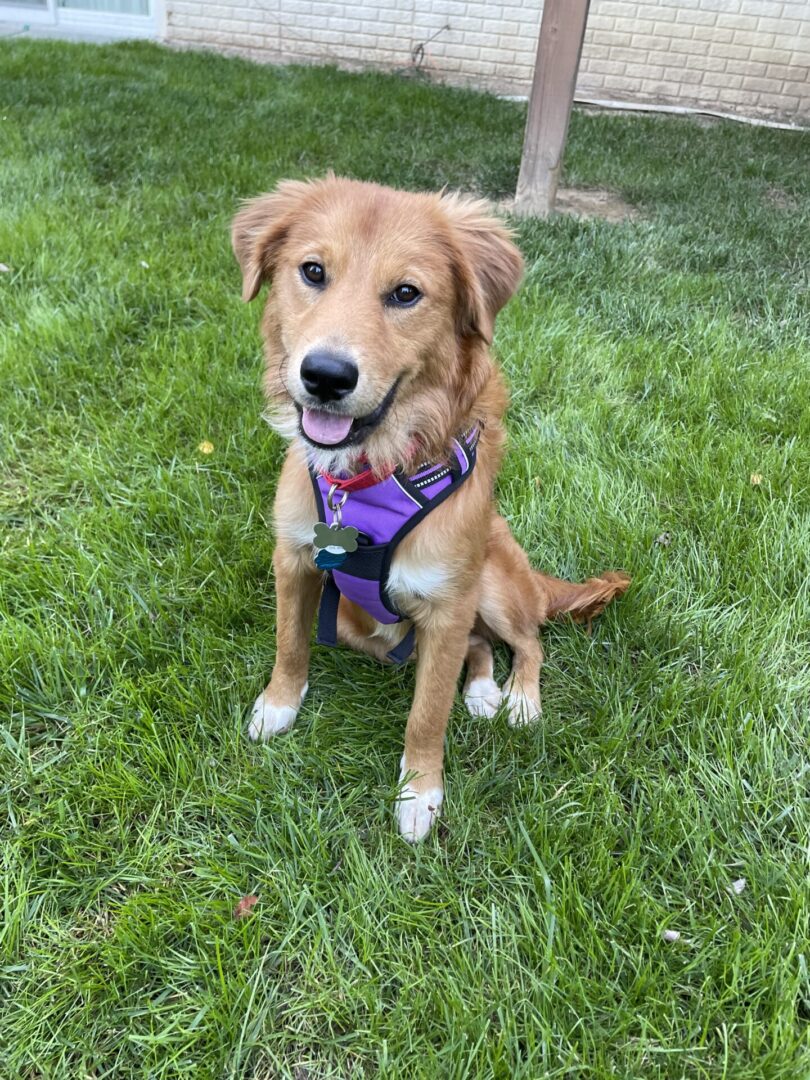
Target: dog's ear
259,230
488,268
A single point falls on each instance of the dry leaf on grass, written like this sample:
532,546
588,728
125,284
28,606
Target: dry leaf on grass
245,906
756,478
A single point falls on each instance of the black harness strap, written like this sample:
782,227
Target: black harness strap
400,653
327,624
328,612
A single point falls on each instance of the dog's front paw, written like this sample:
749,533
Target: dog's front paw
521,708
482,696
418,804
269,718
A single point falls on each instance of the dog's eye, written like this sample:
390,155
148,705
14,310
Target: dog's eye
404,295
313,273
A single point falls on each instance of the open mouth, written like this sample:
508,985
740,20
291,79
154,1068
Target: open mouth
334,431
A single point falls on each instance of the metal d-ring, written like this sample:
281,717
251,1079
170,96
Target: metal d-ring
336,507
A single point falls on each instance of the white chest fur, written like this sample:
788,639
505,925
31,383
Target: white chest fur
408,579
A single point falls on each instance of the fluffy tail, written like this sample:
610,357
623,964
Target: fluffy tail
583,602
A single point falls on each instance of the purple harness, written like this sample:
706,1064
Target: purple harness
383,514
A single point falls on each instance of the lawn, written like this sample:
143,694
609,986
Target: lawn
660,422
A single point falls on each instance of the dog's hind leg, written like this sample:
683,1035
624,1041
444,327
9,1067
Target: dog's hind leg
508,608
513,622
358,630
515,600
482,695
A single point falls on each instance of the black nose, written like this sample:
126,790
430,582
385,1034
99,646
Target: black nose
328,376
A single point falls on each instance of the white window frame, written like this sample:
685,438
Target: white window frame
111,24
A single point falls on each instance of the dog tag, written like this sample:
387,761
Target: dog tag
334,543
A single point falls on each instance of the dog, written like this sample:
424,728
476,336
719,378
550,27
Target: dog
377,333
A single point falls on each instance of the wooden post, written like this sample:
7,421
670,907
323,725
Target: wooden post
555,77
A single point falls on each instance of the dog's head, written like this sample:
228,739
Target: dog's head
382,306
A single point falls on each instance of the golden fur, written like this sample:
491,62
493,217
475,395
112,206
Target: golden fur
460,576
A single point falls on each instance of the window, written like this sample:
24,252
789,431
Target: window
106,18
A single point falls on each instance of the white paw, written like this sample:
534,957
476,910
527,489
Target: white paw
268,719
417,810
521,709
482,697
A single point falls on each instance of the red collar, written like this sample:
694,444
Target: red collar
365,479
368,478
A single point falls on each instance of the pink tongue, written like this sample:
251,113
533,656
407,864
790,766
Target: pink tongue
324,427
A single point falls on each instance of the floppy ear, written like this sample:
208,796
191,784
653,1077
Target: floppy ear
259,230
490,266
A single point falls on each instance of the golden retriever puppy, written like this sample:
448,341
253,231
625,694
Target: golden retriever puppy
377,332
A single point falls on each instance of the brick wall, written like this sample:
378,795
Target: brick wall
743,56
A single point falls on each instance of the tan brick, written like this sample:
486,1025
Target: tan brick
770,56
722,80
725,98
617,8
678,30
665,15
732,52
785,103
643,26
763,86
714,34
709,63
747,67
659,87
737,22
460,52
627,56
606,67
685,75
800,89
773,9
622,82
646,42
796,72
614,38
690,48
696,17
753,37
516,45
601,22
786,27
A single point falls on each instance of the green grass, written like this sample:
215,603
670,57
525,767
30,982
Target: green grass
654,365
